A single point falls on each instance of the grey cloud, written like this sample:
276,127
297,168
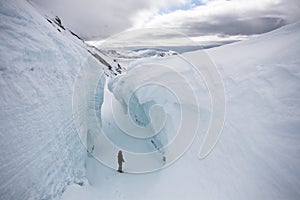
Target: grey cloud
248,23
232,26
232,20
94,19
98,19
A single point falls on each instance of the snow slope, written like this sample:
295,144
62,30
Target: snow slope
257,156
40,151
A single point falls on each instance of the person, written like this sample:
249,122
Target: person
120,161
93,148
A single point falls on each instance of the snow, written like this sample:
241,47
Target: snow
41,152
137,53
257,156
55,102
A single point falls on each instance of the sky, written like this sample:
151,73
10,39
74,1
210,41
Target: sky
201,20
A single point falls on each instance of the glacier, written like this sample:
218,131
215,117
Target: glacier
45,93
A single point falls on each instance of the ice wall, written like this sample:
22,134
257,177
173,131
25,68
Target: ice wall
160,99
40,151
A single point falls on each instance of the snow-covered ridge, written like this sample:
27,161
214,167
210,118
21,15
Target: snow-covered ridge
112,67
137,53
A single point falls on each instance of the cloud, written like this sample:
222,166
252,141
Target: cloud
226,20
235,17
94,19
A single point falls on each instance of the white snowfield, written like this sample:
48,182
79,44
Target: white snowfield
256,157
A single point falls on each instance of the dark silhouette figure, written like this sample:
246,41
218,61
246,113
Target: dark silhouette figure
93,148
120,161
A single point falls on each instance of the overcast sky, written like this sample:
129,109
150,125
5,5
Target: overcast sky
201,20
